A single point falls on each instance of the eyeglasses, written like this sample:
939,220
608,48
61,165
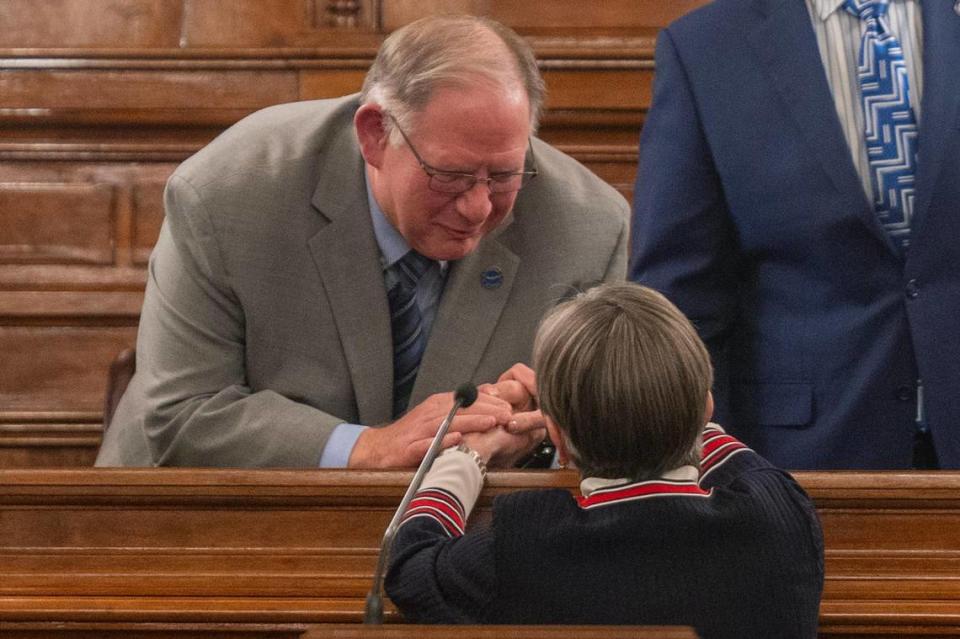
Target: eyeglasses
457,182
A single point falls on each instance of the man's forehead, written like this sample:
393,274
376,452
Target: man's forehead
475,98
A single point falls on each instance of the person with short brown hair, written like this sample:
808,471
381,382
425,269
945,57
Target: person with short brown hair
593,356
678,523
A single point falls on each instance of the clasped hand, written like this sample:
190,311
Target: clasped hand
505,445
502,425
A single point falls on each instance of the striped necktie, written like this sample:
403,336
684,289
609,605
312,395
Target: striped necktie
890,125
406,326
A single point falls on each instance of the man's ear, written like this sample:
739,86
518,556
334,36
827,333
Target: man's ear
368,122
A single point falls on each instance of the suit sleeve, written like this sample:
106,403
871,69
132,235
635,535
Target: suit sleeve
190,393
683,241
617,266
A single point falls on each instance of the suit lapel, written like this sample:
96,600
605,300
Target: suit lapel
346,255
786,45
466,319
940,109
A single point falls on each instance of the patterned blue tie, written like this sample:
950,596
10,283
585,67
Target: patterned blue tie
406,326
890,125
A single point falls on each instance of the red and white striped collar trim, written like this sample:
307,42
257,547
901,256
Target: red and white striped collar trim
441,506
679,482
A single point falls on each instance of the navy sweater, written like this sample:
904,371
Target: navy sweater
737,554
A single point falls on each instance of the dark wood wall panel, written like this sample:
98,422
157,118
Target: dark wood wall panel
53,378
572,14
75,225
606,89
330,83
56,223
555,15
101,99
147,219
148,89
89,23
58,370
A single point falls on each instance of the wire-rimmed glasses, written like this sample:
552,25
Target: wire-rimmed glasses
457,182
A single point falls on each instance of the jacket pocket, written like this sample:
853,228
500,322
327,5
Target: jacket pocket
765,404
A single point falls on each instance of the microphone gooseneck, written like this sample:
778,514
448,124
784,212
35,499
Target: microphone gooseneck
465,395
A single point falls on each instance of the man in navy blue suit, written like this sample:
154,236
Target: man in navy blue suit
835,334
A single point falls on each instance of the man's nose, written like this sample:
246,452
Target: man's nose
474,204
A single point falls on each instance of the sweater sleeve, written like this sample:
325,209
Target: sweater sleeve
439,573
727,463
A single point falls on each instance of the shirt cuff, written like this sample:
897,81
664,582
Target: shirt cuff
456,472
336,454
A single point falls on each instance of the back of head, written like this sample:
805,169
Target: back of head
625,377
450,51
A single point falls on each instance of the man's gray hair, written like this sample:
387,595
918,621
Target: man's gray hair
455,51
625,377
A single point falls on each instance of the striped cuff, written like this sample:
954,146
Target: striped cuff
449,491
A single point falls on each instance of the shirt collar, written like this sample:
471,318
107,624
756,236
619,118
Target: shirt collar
823,8
391,243
684,474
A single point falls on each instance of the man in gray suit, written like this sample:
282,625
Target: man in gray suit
269,328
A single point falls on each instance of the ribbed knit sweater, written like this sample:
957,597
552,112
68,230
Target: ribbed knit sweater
736,552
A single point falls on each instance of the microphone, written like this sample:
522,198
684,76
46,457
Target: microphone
464,396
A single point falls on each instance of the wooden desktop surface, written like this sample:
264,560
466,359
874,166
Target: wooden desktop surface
271,547
21,630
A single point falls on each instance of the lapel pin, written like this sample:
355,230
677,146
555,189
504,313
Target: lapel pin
491,278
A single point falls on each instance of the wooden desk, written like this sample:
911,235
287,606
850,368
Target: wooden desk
298,547
892,552
335,631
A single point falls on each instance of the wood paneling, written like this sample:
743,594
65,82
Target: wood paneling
45,443
147,219
220,546
69,379
556,15
614,89
145,90
330,83
89,23
56,223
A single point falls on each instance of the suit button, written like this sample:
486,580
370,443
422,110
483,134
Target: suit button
905,393
913,289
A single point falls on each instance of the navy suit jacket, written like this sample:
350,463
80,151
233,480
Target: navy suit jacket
750,216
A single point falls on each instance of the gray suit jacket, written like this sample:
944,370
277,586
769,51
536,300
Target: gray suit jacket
265,322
